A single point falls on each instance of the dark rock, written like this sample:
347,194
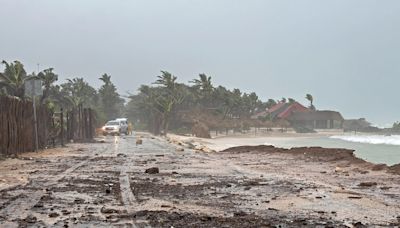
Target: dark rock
355,197
108,210
39,205
65,212
79,201
53,215
108,190
30,219
239,214
368,184
13,156
379,167
247,188
358,225
153,170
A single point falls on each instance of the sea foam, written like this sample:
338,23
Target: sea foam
370,139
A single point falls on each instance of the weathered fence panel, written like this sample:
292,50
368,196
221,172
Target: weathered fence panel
80,124
17,126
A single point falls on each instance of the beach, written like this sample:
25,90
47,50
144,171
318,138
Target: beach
181,182
370,147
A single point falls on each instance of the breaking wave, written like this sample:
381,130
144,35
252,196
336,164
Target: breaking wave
370,139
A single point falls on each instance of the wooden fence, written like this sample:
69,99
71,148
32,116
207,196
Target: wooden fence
80,124
17,126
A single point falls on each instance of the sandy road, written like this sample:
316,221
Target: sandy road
105,184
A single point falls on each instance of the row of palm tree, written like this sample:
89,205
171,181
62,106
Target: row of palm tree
156,106
69,95
167,102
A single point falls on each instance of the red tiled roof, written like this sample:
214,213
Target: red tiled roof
295,107
284,110
276,107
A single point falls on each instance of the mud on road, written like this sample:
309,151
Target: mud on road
105,184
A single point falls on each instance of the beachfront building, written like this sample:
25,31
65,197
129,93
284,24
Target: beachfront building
359,125
317,119
302,118
284,110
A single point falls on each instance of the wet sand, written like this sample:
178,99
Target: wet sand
106,184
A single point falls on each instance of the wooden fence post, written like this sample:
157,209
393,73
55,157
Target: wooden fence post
62,127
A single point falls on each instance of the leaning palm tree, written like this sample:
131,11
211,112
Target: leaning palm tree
203,83
203,88
167,80
13,78
310,98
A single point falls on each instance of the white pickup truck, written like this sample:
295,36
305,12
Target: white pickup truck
116,127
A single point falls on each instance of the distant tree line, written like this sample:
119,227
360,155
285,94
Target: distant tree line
164,105
167,102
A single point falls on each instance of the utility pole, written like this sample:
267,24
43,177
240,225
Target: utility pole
35,119
33,88
34,113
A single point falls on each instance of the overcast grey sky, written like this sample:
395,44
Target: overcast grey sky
346,53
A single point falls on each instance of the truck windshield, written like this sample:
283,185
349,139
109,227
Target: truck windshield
112,123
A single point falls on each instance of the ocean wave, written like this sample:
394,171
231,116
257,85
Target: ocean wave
370,139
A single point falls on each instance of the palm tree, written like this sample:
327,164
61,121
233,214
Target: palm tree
203,84
48,77
167,80
166,97
111,103
203,88
13,78
310,98
79,92
106,79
